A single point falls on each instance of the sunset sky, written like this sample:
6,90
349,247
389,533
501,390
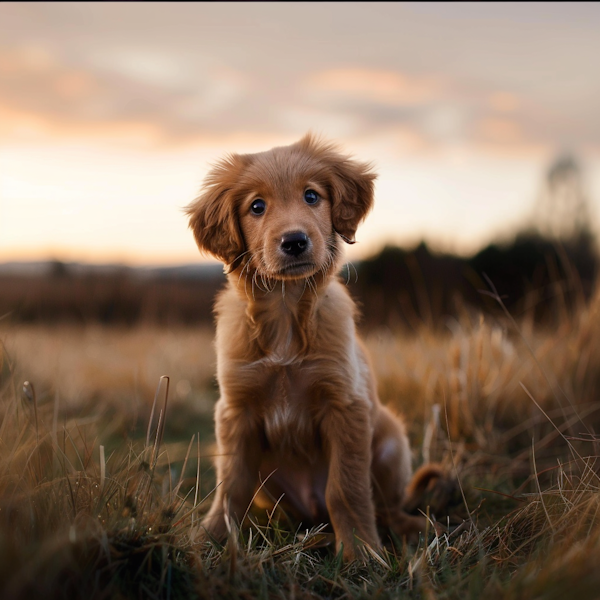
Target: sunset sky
111,113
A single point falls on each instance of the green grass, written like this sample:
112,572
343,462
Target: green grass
95,503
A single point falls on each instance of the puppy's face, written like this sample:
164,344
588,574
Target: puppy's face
282,212
285,215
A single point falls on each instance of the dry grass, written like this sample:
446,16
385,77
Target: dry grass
93,507
94,370
111,364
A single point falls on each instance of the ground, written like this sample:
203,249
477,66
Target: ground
104,473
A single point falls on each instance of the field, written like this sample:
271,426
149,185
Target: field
105,467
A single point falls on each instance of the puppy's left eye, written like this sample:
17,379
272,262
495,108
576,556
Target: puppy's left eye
311,197
258,207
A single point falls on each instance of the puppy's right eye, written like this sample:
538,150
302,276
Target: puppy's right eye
258,207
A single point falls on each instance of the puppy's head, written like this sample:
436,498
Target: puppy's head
282,212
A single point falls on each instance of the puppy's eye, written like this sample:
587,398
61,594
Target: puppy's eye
311,197
258,207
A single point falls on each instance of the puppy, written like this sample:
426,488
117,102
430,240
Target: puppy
298,416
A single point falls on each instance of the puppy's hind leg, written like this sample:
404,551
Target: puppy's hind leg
391,473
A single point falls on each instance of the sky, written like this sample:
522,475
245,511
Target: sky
112,113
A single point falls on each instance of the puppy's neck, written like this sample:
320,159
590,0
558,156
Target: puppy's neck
281,315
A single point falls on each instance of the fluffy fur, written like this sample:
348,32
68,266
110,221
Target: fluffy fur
298,407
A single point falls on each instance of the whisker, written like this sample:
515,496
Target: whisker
256,281
253,280
270,284
312,284
326,266
247,270
355,272
347,265
240,256
303,289
246,265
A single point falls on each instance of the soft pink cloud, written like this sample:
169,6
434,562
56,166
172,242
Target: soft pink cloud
376,85
504,102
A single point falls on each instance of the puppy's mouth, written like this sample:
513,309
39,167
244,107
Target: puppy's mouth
296,270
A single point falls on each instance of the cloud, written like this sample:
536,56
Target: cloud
142,102
186,74
375,85
500,130
504,102
54,97
426,114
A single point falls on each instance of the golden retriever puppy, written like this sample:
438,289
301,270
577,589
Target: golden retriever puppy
298,415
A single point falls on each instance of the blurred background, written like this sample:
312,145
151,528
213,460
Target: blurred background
481,120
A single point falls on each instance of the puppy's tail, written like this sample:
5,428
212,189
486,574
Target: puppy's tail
431,486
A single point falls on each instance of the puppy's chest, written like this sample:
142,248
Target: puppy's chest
287,409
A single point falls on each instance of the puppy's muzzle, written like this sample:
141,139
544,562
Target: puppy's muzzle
295,243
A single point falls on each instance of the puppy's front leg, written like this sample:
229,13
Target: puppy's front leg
237,465
349,499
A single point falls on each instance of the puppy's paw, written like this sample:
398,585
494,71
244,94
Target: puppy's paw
359,552
211,529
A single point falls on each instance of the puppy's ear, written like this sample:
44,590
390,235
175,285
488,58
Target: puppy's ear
352,190
213,215
351,185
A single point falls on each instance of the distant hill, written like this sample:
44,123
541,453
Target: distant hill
111,294
50,267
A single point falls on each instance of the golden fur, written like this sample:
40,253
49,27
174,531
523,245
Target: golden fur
298,405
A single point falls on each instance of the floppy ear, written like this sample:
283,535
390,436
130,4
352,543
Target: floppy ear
213,215
351,185
352,188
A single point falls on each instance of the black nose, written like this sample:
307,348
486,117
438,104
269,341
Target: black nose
294,243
